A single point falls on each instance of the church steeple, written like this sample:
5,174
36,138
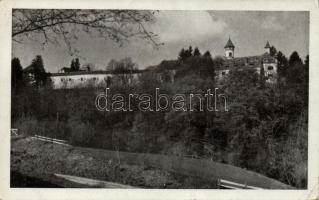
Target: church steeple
267,47
229,44
229,49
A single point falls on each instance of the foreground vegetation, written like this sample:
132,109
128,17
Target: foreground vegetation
34,163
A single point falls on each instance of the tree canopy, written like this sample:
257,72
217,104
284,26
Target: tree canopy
75,64
16,74
295,58
197,52
38,70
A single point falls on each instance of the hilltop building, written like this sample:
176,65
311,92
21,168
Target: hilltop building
80,79
257,62
229,49
165,71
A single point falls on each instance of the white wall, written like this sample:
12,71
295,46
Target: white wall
79,80
227,51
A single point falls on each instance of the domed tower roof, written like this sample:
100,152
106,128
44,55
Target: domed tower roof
229,44
267,45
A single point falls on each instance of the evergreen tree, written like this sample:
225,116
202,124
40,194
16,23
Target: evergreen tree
182,55
307,61
77,64
16,74
38,70
297,72
185,54
196,52
294,58
72,65
282,64
273,51
262,78
189,52
207,54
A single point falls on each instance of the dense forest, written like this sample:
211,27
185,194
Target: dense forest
265,129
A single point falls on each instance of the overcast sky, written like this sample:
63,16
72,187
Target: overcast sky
208,30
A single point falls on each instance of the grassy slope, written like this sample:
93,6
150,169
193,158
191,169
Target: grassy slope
42,160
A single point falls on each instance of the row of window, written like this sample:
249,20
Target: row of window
269,68
82,79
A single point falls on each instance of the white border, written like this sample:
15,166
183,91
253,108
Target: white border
284,5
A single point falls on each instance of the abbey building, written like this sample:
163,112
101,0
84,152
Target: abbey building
166,70
265,61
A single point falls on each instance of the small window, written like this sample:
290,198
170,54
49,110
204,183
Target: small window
223,73
94,79
270,67
70,79
81,79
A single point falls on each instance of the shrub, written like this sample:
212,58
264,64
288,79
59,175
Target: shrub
26,125
81,133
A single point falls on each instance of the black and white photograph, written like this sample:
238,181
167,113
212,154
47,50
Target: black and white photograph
159,99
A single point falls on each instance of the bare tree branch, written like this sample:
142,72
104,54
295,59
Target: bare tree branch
117,25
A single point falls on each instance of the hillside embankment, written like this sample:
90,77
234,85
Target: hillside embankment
34,163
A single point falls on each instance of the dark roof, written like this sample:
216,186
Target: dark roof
267,45
267,58
66,69
169,64
152,67
247,62
28,69
229,44
164,65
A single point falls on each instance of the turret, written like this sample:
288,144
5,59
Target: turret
267,47
229,49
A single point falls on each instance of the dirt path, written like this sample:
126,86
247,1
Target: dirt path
92,182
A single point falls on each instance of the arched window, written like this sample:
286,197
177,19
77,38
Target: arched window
270,67
230,54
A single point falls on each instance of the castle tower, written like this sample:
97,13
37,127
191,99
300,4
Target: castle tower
267,47
229,49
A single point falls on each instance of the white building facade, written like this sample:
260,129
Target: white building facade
80,79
